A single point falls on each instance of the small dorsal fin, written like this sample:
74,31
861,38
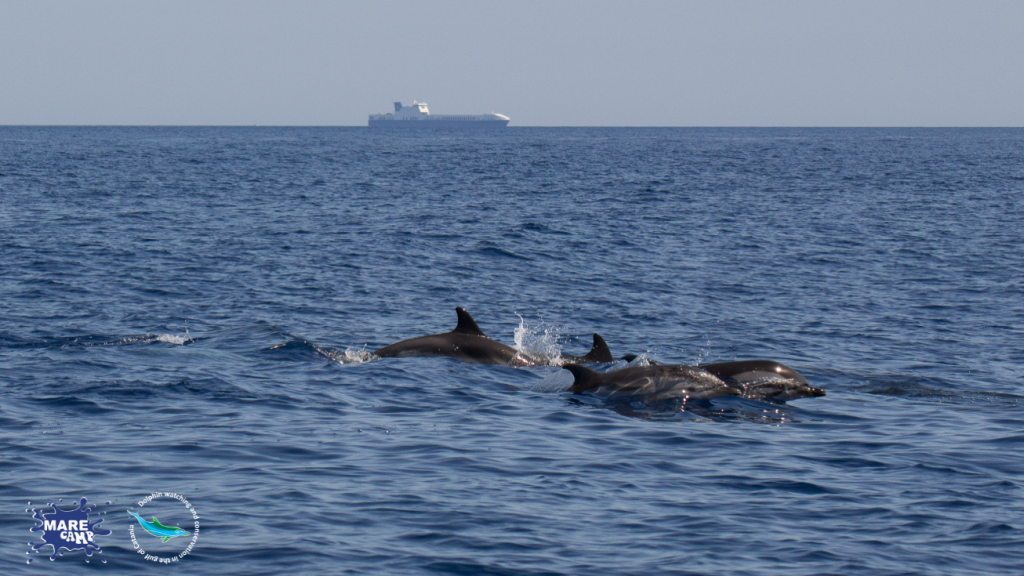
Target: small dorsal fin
599,352
631,357
467,325
583,378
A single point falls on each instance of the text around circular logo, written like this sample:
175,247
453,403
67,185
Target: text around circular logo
162,531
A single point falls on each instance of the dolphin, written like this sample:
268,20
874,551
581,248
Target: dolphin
764,380
157,529
653,383
467,342
759,379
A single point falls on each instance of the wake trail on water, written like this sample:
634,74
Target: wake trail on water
10,341
304,349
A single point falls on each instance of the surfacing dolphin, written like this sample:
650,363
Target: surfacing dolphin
758,379
467,342
652,383
764,379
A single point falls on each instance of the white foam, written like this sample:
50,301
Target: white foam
537,344
174,338
354,356
358,356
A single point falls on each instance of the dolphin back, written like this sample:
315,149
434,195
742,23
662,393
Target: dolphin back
764,380
650,382
467,342
745,371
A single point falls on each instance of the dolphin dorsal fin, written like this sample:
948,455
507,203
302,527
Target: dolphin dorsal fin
599,352
583,378
467,325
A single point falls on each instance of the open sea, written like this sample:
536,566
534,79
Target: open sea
186,316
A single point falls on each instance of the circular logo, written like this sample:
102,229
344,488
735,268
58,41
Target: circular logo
162,530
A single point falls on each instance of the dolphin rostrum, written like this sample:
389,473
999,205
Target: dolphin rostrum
467,342
157,529
653,383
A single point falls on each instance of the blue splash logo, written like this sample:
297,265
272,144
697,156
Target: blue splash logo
68,530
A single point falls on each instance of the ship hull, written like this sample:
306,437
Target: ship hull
434,124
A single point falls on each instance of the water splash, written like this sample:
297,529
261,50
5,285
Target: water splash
705,351
346,356
537,346
357,355
178,339
175,339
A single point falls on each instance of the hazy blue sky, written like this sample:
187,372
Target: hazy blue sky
543,63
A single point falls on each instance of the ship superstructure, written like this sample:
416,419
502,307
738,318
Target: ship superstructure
418,116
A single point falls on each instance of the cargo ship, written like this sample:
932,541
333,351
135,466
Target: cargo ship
419,116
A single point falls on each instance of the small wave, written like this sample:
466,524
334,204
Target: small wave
683,409
556,381
305,350
10,341
179,339
938,390
501,253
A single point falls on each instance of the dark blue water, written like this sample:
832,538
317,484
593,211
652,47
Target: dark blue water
180,308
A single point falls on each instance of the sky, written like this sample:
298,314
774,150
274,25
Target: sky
542,63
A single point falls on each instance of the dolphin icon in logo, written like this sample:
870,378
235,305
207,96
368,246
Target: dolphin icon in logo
157,529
